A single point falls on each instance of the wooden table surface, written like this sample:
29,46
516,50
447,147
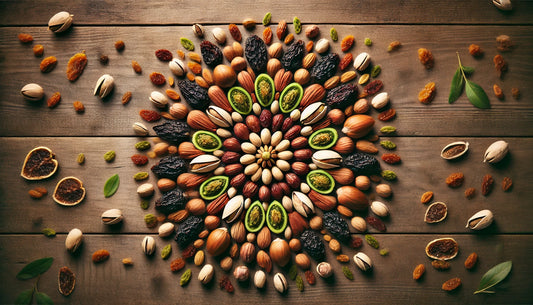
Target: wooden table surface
444,27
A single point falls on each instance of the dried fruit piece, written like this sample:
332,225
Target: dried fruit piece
387,144
333,34
297,25
235,32
426,197
194,67
79,107
212,56
75,66
388,175
471,261
504,43
225,284
173,95
507,184
426,95
66,280
451,284
346,61
100,256
373,87
347,43
498,91
177,264
48,232
104,59
487,185
376,223
139,159
187,44
343,258
25,38
267,19
418,272
136,67
475,50
470,193
267,35
393,46
440,264
375,71
368,42
163,55
38,50
289,39
372,241
347,273
500,65
149,115
53,100
325,68
140,176
126,98
157,78
119,45
48,64
310,277
515,92
391,158
387,115
426,58
455,180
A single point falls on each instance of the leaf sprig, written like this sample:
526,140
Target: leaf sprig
495,275
31,270
476,95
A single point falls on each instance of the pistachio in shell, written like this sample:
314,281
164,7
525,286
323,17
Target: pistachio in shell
40,163
436,212
214,187
69,191
255,217
276,217
442,248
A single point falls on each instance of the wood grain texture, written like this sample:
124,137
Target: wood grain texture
402,74
150,281
421,170
314,11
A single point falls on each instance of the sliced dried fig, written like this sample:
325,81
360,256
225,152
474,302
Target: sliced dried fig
66,280
40,163
442,248
69,191
436,212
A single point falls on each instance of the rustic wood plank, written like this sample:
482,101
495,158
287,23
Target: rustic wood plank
315,11
402,75
149,281
421,170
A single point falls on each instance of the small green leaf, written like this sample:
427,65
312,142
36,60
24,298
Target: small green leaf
35,268
49,232
25,297
467,70
457,86
43,299
495,275
111,185
476,95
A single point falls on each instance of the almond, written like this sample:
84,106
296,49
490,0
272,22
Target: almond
233,169
250,189
303,154
241,131
300,168
219,98
309,61
190,180
264,238
230,157
238,181
297,223
217,205
178,216
332,82
366,146
282,30
312,94
302,261
293,132
299,143
232,144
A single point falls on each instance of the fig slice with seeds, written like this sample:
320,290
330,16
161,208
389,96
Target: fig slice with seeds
66,280
436,212
69,191
442,248
40,163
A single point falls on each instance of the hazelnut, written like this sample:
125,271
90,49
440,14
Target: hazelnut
362,183
178,110
361,106
238,232
247,252
211,222
383,190
224,76
303,261
161,149
196,206
165,184
295,245
226,263
238,64
316,223
336,116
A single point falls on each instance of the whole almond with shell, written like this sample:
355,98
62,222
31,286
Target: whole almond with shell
246,81
219,98
312,94
216,206
282,30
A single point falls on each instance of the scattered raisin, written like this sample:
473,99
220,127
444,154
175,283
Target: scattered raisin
440,264
471,261
498,91
500,65
195,57
309,46
235,32
212,56
79,107
376,223
25,38
470,193
426,197
38,50
387,115
48,64
391,158
119,45
149,115
75,66
356,242
189,252
347,43
225,284
515,92
100,256
426,58
451,284
173,95
136,67
343,258
126,98
157,78
373,87
475,50
507,184
346,61
393,46
177,264
487,185
163,55
504,43
455,180
418,272
310,277
289,39
426,95
267,35
138,159
53,100
195,67
104,59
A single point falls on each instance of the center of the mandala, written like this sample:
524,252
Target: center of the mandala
265,156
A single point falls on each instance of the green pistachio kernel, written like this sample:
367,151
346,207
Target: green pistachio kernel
140,176
166,251
347,273
387,129
187,43
297,25
368,41
185,277
384,252
372,241
387,144
110,156
388,175
267,18
293,272
150,220
49,232
299,283
145,204
334,35
143,145
375,71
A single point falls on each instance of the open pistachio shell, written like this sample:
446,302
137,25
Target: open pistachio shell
480,220
454,150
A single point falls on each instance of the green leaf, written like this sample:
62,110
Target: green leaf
111,185
476,95
43,299
495,275
24,298
457,86
35,268
467,70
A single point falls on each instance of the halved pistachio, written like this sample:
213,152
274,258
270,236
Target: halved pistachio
313,113
112,216
177,67
302,204
219,116
454,150
480,220
104,85
204,164
233,209
158,99
363,261
280,283
60,22
327,159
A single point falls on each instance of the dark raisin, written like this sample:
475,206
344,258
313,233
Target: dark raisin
211,54
188,231
163,55
325,68
341,96
362,164
171,202
256,53
312,244
195,95
376,223
373,87
292,59
337,226
170,167
173,131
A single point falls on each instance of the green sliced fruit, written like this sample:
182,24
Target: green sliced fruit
264,89
276,217
323,138
321,181
290,97
255,217
214,187
206,141
240,100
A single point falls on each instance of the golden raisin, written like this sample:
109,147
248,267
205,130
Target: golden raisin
173,95
426,95
195,57
487,184
177,264
451,284
455,180
53,100
136,67
190,76
267,35
235,32
79,107
195,67
170,81
426,197
75,66
38,50
126,98
48,64
475,50
393,46
157,78
309,46
418,272
471,261
498,91
507,184
100,256
119,45
25,38
500,65
289,39
347,43
426,58
470,193
440,264
181,54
